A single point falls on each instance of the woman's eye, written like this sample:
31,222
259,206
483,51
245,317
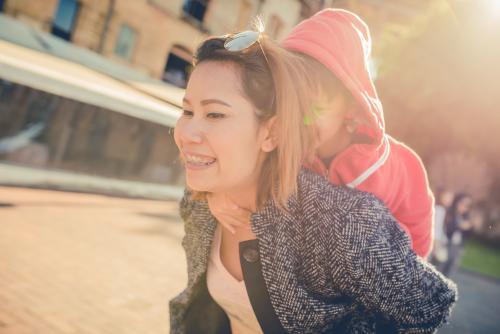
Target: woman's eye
216,115
187,113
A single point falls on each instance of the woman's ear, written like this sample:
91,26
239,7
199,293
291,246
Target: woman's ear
270,140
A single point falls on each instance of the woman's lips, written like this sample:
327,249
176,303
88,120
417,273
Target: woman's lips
197,161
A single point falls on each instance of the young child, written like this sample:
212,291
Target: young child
354,149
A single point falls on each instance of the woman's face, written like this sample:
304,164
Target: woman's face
219,135
446,198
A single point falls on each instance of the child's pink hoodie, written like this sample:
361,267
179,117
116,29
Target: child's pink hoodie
341,41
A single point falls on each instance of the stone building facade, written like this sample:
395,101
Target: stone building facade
153,36
158,37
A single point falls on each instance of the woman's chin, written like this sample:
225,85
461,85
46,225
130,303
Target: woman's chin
198,185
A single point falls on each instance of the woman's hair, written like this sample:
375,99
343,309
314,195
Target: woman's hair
270,78
457,201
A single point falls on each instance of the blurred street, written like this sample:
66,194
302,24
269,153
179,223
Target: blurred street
477,309
83,263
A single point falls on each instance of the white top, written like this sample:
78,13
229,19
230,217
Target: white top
230,293
439,217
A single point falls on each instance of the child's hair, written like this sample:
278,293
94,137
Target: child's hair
271,79
325,82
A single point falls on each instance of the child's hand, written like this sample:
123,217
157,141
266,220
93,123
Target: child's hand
228,213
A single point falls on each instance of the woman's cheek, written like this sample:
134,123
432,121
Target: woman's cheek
177,131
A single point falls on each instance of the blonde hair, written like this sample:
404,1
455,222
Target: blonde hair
272,80
325,80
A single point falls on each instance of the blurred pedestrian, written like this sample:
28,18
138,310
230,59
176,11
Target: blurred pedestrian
444,200
457,226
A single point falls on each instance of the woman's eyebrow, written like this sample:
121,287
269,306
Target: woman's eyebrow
216,101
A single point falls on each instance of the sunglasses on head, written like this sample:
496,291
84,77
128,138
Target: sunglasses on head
244,40
241,41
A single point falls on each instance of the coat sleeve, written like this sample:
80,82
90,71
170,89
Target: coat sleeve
177,305
380,271
186,205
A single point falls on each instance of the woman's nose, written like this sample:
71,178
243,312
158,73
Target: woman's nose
191,132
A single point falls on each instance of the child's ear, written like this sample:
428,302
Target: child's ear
351,122
351,127
270,135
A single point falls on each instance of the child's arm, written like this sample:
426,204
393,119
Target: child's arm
415,213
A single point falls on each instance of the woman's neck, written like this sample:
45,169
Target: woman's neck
244,198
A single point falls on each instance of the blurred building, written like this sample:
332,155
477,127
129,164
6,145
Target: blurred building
74,120
80,89
154,36
88,86
159,36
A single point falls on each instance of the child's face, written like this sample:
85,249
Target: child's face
329,115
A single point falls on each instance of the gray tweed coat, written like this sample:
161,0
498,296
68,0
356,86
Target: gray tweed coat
336,262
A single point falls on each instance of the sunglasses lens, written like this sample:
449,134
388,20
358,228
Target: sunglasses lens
241,41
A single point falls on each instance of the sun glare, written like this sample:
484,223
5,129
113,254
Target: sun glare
494,8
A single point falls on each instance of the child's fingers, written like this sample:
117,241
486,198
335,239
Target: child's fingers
228,227
239,214
243,218
228,213
234,221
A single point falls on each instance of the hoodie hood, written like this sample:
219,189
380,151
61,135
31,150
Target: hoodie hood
341,41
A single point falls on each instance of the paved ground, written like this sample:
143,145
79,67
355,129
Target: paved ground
478,308
80,263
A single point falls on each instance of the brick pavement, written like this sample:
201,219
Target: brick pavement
82,263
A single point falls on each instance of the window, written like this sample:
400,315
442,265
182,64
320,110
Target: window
43,130
65,18
195,9
2,3
178,66
125,42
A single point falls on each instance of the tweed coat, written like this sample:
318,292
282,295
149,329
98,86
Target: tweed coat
337,261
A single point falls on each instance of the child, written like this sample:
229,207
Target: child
354,149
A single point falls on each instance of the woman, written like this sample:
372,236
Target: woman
318,258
